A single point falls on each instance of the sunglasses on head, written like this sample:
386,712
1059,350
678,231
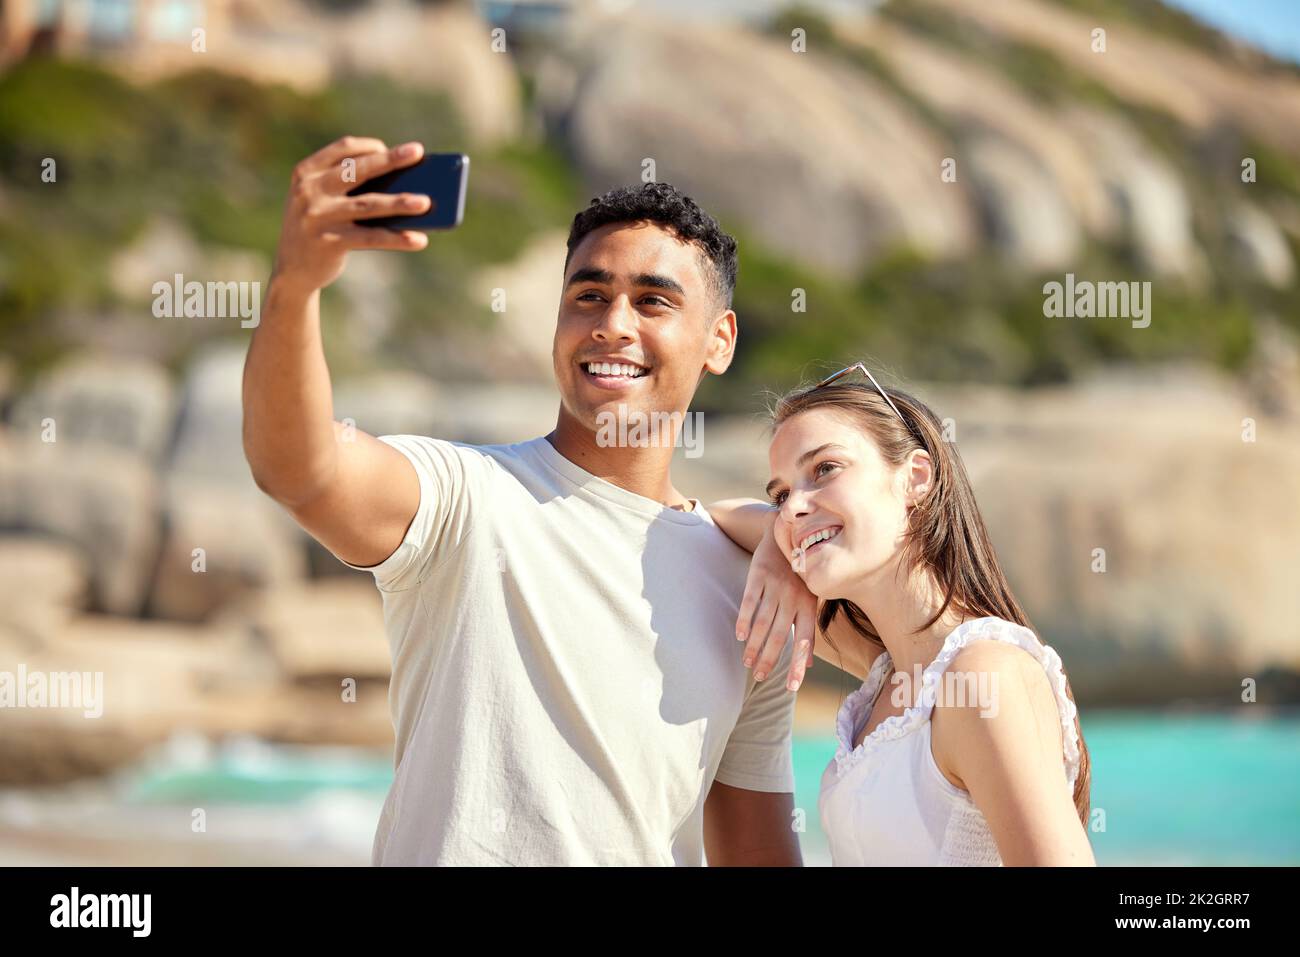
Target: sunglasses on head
859,367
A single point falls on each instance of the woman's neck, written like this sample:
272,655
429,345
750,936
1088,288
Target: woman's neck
899,614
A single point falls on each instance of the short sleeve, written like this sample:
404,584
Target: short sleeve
757,756
448,473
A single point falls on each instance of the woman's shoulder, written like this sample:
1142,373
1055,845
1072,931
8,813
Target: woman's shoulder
1003,658
998,645
1006,694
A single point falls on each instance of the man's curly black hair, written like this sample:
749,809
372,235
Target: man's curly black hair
663,205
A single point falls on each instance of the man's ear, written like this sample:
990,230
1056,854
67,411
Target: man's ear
722,343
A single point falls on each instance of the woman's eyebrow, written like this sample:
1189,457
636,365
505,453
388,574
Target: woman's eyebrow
811,453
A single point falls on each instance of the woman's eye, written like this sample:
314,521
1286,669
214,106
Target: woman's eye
777,498
820,470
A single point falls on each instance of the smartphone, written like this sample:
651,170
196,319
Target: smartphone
440,176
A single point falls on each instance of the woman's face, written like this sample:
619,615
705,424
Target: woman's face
830,483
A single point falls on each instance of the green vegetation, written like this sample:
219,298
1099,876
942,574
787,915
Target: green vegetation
972,320
1040,74
215,153
1158,17
979,318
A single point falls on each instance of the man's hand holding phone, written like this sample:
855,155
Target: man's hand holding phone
320,218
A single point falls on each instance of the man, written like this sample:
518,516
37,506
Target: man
566,686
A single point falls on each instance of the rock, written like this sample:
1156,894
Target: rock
137,682
1151,201
1260,246
973,98
389,403
211,502
102,500
1196,530
369,285
149,681
496,413
43,583
532,285
163,248
1198,88
265,42
324,630
101,401
1031,224
209,439
247,542
1273,371
446,48
814,158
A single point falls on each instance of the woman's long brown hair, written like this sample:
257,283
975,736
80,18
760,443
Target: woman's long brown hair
946,535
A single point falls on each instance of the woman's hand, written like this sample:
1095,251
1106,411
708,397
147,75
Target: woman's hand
775,598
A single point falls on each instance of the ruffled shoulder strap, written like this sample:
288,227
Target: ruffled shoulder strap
998,629
857,702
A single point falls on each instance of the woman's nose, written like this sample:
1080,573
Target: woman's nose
796,505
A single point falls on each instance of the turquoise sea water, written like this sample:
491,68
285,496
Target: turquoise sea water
1180,789
1177,789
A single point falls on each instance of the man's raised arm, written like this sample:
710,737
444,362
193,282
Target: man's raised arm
355,497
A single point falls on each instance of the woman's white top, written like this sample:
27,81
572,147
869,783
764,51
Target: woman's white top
886,802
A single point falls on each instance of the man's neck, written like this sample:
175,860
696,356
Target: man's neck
644,471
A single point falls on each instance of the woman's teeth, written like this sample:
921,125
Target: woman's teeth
821,536
615,368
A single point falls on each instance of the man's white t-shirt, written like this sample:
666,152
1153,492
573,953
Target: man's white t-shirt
566,682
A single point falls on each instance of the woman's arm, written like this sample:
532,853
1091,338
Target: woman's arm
776,599
743,520
1007,752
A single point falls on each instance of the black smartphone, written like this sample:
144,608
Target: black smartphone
440,176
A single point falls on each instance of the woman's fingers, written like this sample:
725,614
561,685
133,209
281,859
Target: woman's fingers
802,657
777,635
748,603
762,624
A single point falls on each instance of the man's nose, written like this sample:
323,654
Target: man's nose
616,322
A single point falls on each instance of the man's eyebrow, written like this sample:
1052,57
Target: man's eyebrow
605,277
590,274
656,281
811,453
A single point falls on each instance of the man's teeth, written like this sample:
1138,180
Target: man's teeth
615,368
816,537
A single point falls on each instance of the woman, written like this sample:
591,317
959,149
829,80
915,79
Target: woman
976,756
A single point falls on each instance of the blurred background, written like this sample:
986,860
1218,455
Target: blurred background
903,178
